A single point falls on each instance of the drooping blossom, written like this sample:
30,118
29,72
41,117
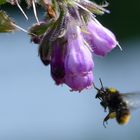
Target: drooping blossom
101,39
78,62
69,38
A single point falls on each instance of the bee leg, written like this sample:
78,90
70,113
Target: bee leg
103,105
111,115
105,120
105,110
97,96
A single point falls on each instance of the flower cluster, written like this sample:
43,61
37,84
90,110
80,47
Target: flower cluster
68,37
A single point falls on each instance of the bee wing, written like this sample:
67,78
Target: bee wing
132,100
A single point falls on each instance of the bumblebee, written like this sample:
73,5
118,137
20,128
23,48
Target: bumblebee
117,104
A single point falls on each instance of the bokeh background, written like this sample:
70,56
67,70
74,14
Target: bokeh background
33,108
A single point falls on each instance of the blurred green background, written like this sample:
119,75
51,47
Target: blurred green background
32,107
124,18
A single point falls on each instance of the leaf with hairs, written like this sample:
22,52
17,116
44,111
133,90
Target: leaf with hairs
6,24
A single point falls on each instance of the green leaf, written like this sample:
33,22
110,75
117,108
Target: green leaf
6,24
2,2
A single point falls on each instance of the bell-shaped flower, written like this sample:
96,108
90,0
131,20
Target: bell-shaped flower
80,81
78,61
101,39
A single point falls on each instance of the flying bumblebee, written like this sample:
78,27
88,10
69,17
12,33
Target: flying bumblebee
118,105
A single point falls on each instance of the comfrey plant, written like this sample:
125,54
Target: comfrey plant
68,36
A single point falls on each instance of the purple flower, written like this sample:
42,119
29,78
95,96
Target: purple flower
57,62
80,81
101,40
78,62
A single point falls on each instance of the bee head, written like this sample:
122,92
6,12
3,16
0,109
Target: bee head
100,91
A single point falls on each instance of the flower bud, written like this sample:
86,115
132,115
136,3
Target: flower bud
36,39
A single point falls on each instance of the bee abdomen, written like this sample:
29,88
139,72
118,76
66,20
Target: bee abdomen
123,116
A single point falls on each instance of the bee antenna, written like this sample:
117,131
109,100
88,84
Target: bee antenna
104,124
96,87
102,87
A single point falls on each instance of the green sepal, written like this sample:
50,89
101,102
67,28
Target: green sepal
95,8
40,29
59,26
56,30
